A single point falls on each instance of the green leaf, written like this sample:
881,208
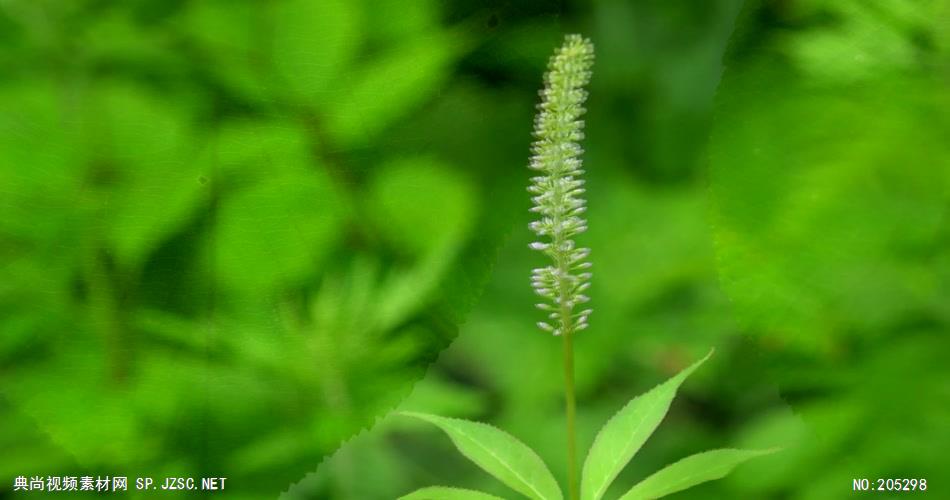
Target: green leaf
90,422
227,32
623,435
438,394
858,47
690,471
382,90
445,493
110,36
417,204
404,293
34,134
277,232
313,44
500,454
246,152
145,144
391,20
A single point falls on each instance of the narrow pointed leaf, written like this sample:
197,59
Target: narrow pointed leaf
690,471
500,454
445,493
623,435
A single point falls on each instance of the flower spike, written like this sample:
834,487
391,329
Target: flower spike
558,190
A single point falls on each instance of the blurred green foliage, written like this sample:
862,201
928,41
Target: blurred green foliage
207,263
234,234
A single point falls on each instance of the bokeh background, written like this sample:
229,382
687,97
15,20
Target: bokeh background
236,234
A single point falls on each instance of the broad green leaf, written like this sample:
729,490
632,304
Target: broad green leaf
690,471
404,293
500,454
277,232
27,446
860,46
40,156
145,143
391,20
383,89
248,151
171,328
222,27
116,154
446,493
313,42
623,435
110,36
227,32
416,204
90,421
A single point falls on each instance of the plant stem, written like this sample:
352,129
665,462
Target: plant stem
570,405
567,331
106,314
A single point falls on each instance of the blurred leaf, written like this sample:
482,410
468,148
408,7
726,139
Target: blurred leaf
391,20
380,91
278,232
690,471
246,152
444,493
343,474
436,395
355,326
229,33
424,209
199,390
144,152
405,292
89,420
113,37
526,47
41,219
313,43
270,450
226,26
499,454
170,328
670,243
40,157
858,47
623,435
420,204
27,448
779,428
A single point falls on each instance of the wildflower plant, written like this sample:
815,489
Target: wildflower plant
559,204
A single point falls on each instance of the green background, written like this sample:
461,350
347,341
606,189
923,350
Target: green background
235,235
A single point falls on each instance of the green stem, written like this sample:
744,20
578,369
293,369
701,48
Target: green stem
570,404
106,315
